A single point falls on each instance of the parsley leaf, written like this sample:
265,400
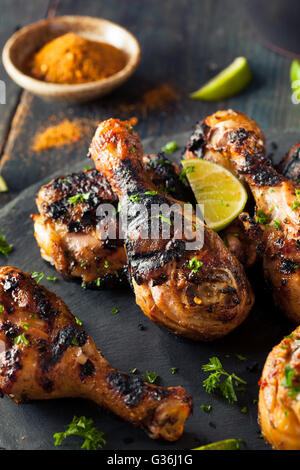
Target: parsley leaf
261,217
213,382
79,198
194,264
82,427
38,276
5,248
135,197
150,193
150,377
115,310
174,370
206,408
162,218
21,340
51,278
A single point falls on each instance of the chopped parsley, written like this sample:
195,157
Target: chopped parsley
213,382
26,326
194,265
150,193
133,371
184,172
162,218
206,408
83,264
261,217
5,248
21,340
1,309
150,377
244,410
240,357
115,310
74,342
87,168
287,382
295,205
276,224
98,281
51,278
82,197
174,370
82,427
79,322
170,147
106,264
37,276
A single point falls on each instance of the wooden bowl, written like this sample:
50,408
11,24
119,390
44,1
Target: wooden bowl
25,42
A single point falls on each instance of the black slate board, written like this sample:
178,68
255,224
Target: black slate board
125,345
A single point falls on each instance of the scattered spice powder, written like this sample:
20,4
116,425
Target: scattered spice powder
156,98
71,59
64,133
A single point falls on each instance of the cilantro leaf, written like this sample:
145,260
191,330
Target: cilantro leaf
5,248
150,377
170,147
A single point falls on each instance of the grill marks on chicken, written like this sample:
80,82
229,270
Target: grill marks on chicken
203,303
290,164
66,228
236,142
46,354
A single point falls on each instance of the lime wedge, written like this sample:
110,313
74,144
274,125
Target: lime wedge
222,195
229,82
3,185
228,444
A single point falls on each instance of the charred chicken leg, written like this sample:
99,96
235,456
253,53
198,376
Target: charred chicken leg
46,354
202,294
236,142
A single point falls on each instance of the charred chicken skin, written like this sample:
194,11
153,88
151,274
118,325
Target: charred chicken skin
66,227
45,353
236,142
279,405
201,294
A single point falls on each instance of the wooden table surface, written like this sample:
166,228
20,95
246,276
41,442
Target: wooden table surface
183,43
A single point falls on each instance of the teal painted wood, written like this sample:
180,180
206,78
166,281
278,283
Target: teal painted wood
184,43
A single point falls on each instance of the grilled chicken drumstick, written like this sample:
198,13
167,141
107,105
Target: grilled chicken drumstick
235,141
45,354
65,228
201,294
279,406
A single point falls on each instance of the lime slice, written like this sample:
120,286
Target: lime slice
227,83
3,185
222,195
228,444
